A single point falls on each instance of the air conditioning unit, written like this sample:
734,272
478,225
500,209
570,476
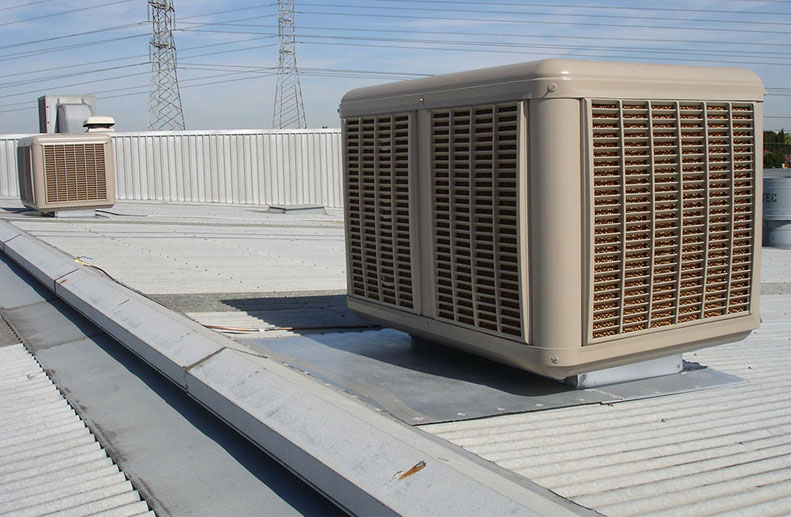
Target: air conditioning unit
561,216
66,172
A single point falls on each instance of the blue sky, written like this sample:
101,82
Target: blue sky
227,51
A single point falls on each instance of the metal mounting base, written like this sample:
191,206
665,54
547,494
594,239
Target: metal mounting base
73,214
629,372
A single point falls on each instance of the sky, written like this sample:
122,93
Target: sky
227,51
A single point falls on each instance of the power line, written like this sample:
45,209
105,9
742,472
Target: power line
70,11
532,52
76,65
202,24
64,76
314,72
772,92
524,36
559,15
146,55
92,81
20,6
225,11
99,42
137,87
322,72
235,50
21,55
302,70
138,56
235,79
73,35
465,45
468,33
536,22
596,7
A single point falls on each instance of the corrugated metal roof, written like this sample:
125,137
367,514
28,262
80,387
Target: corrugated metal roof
699,453
185,249
720,450
49,461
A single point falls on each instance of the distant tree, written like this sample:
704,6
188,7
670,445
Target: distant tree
778,145
774,160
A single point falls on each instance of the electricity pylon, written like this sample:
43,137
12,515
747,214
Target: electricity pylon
164,108
289,111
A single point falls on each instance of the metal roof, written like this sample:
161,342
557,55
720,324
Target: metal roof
49,461
166,249
726,449
720,450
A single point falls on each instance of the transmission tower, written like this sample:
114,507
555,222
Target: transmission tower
289,111
164,107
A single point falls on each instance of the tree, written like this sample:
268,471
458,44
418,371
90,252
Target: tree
774,160
779,146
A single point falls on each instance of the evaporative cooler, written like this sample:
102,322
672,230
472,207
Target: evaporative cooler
561,216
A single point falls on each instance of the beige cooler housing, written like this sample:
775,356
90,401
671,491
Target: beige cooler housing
561,216
66,172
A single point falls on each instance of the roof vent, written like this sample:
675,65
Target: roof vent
99,124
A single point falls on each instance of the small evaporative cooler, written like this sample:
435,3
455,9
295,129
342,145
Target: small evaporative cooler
66,172
561,216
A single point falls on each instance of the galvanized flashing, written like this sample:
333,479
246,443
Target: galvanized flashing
41,260
167,344
7,232
373,464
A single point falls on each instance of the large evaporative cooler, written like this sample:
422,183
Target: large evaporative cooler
59,172
560,216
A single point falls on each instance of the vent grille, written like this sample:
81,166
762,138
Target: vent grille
377,157
673,206
475,193
25,174
74,172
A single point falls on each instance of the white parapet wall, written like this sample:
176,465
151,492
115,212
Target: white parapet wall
246,166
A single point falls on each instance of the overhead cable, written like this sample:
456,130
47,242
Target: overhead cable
74,35
21,55
29,4
711,52
70,11
557,15
538,22
596,7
